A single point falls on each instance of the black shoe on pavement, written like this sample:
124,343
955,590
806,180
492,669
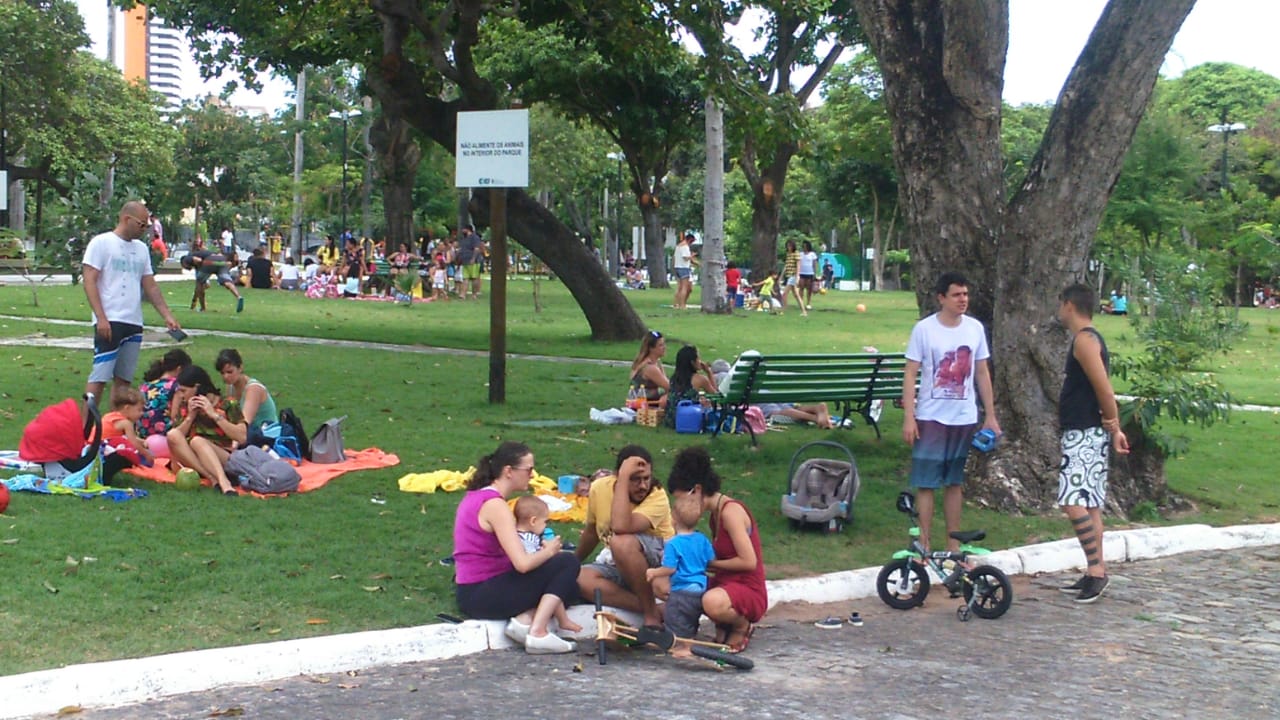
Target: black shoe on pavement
1093,589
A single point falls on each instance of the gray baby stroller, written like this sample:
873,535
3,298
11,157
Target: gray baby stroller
822,490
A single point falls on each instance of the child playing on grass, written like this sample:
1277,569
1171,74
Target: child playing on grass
767,300
119,425
531,522
682,579
439,276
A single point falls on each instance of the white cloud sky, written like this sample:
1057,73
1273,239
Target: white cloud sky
1045,38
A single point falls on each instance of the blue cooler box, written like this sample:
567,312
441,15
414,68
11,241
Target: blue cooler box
689,416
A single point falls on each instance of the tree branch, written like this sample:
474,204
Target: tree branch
816,78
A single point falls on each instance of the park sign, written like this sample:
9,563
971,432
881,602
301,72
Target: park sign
492,149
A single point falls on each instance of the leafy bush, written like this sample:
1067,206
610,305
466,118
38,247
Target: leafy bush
11,245
1182,322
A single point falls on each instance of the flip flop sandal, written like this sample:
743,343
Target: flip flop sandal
741,645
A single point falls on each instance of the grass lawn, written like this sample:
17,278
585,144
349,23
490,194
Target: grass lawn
178,571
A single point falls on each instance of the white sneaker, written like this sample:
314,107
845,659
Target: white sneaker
517,631
547,645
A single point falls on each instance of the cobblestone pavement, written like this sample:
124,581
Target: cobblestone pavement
1196,635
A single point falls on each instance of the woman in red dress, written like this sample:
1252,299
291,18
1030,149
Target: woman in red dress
736,597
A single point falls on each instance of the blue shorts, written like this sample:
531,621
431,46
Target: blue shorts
683,273
938,457
117,357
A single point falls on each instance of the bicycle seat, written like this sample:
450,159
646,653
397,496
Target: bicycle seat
968,536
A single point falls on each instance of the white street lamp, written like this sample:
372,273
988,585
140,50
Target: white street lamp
344,114
1227,131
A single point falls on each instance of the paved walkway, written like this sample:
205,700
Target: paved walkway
1195,635
84,342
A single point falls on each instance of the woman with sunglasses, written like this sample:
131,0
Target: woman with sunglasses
496,577
648,379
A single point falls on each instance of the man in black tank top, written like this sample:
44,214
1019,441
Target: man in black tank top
1090,422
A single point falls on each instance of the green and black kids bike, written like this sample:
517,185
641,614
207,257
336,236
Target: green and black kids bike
903,582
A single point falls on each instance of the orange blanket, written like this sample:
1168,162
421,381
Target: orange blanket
314,475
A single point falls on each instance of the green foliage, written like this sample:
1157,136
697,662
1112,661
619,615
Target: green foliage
1021,132
1145,511
82,216
1217,92
1181,324
11,247
1183,319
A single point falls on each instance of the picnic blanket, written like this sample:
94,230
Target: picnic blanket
83,483
11,460
455,481
314,475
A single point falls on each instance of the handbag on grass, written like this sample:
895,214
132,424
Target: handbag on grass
326,444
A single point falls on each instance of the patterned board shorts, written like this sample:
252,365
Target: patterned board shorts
1082,479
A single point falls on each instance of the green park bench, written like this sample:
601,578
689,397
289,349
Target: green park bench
380,279
848,383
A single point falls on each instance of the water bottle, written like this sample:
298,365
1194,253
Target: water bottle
548,534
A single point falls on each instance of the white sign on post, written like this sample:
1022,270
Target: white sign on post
492,149
4,189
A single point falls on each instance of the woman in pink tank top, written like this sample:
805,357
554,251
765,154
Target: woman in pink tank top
496,578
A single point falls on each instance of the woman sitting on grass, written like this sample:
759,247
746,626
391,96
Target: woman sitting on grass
496,578
648,379
158,408
250,395
691,375
207,430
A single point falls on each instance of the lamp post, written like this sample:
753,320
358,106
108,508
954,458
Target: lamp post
4,161
1227,131
617,215
345,114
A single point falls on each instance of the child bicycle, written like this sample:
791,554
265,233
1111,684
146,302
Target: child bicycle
610,627
903,582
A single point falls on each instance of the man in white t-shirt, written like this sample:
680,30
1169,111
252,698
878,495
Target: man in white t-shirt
117,272
683,269
948,352
228,243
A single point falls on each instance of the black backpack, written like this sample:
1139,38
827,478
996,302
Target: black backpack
290,419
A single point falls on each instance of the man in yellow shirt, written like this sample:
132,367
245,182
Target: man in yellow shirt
633,526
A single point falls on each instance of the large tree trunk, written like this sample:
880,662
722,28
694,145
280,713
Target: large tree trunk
398,156
766,206
1051,225
398,84
655,245
943,68
714,297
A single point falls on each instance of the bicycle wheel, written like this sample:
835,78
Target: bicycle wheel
993,591
721,657
902,584
601,644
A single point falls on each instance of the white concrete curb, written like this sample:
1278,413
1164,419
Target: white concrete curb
122,682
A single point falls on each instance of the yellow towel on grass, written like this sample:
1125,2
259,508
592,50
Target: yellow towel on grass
455,481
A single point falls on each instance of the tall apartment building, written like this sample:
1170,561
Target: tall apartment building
144,48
